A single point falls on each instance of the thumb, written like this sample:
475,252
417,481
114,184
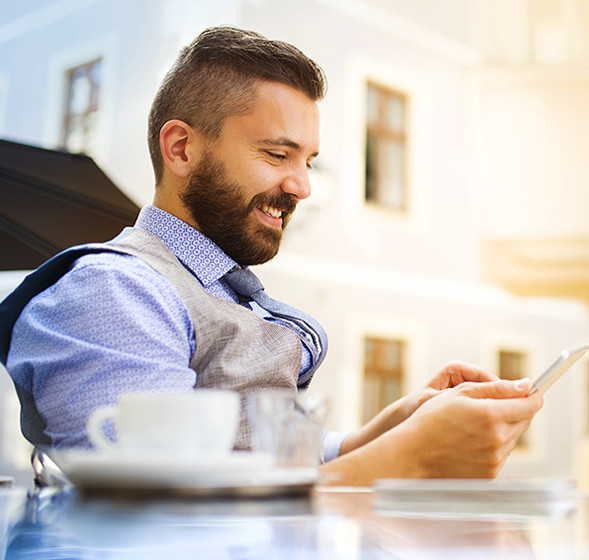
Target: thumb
500,389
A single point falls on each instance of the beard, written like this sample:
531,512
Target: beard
223,214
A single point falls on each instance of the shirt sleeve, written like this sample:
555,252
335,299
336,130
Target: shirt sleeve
112,325
332,443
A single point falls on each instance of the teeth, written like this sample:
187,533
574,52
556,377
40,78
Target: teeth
274,212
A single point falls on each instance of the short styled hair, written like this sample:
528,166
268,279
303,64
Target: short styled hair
215,77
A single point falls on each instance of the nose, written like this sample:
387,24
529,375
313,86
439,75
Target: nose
298,183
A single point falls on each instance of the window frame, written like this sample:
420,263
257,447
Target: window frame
370,219
104,47
93,107
377,370
383,133
358,326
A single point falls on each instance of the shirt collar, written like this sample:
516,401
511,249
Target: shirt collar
194,250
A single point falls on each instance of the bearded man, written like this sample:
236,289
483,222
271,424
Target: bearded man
170,304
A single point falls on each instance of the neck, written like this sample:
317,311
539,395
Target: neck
168,199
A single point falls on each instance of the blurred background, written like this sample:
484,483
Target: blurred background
449,213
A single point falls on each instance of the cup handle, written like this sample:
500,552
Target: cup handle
94,427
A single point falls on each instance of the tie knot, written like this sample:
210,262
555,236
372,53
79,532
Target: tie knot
244,282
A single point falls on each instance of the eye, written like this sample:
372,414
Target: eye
276,155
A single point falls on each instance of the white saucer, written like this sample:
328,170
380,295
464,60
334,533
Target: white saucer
476,498
239,473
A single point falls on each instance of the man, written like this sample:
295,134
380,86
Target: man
170,304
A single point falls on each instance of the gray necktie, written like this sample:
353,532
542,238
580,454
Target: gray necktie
311,333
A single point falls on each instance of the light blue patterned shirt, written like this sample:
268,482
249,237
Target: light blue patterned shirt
114,325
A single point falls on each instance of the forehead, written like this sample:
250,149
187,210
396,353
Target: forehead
277,111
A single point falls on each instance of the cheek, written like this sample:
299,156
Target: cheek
258,178
251,171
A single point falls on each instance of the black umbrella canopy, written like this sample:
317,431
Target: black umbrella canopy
51,200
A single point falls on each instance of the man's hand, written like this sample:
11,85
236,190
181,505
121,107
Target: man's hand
452,375
455,373
467,431
470,430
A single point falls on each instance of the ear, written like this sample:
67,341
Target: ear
181,147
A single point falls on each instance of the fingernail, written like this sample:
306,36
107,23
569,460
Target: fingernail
523,383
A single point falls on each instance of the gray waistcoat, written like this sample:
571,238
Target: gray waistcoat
235,349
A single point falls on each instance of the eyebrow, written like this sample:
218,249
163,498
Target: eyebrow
284,141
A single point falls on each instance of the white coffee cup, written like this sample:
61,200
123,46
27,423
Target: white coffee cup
201,423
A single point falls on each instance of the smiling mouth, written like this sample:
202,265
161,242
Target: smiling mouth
271,211
277,210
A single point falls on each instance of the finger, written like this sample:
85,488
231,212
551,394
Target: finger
515,410
460,372
499,389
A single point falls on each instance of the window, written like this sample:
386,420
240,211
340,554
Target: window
80,122
386,148
384,365
513,365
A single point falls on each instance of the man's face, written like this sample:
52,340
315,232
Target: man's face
248,182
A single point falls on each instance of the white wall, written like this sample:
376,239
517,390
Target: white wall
531,142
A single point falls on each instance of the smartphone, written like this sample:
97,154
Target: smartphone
563,363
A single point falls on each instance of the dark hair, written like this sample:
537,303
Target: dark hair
216,76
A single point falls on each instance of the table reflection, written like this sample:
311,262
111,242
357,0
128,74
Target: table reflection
328,525
412,536
67,526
